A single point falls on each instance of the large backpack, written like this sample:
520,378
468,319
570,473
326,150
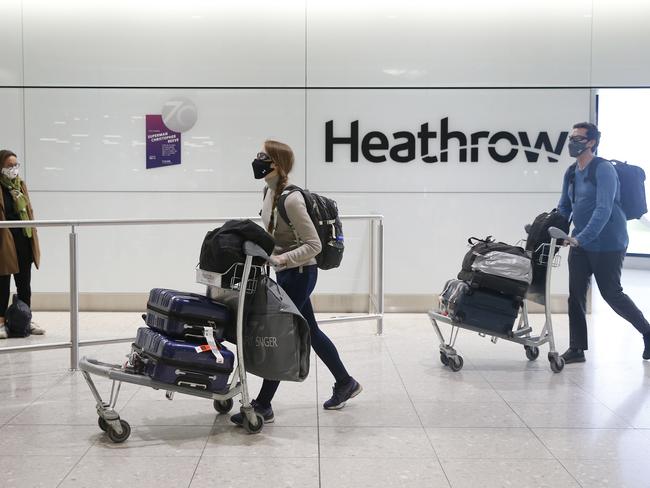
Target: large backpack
19,318
538,232
632,179
324,214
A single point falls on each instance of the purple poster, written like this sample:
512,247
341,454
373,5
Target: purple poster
163,144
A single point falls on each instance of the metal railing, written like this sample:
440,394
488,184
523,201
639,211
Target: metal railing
375,293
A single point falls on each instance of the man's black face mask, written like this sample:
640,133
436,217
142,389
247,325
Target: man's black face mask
577,147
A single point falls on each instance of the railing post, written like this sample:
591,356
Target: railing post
372,290
74,302
380,277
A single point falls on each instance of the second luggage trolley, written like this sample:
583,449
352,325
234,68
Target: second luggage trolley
546,256
119,430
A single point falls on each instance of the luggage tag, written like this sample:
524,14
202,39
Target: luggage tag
208,333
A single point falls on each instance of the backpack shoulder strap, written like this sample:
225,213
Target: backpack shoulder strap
282,210
591,171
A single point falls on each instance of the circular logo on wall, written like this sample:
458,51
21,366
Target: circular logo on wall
179,114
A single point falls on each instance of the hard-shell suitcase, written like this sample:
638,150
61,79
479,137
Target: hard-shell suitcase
484,310
184,315
183,363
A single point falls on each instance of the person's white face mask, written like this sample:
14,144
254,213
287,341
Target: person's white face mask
11,172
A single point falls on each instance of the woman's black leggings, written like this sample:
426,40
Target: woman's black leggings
23,281
299,284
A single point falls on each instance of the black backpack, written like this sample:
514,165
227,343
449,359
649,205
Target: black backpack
538,232
222,247
19,318
324,213
632,179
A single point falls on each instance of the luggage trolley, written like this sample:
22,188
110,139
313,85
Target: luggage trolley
118,430
549,257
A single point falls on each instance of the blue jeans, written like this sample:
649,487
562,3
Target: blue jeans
299,283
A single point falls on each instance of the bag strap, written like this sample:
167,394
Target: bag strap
282,210
208,333
472,241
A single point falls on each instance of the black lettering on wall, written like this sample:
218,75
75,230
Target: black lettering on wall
330,140
424,135
408,146
503,158
445,136
543,141
367,145
476,136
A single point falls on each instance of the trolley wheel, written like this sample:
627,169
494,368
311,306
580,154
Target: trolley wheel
223,406
102,424
557,363
118,438
444,359
456,363
255,428
532,352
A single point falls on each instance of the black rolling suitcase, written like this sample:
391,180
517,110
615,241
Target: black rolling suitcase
184,315
182,363
480,309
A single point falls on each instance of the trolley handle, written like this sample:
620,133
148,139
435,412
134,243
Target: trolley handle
556,233
252,249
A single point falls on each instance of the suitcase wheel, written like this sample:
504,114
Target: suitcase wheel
223,406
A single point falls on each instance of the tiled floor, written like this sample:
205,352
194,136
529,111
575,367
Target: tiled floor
501,422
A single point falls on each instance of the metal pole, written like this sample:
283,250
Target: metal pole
372,301
74,302
380,277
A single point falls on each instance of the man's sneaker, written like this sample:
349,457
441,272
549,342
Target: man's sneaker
266,412
342,393
4,333
574,356
35,329
646,351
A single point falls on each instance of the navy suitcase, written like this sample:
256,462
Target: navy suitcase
182,363
184,315
480,309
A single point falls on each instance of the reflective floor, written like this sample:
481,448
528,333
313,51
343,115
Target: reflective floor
501,422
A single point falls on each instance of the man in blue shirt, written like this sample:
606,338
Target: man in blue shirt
591,197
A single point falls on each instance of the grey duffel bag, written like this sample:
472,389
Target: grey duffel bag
277,344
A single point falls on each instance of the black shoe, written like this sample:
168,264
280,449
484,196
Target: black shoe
574,356
646,351
266,412
342,393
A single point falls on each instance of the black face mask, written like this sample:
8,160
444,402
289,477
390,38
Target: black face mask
261,168
577,148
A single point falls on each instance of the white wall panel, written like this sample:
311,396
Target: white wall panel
425,238
164,43
94,139
468,111
621,43
441,43
11,67
11,121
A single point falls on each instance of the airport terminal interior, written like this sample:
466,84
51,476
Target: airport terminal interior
404,212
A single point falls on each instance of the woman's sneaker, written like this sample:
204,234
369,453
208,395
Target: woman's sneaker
342,393
35,329
4,333
266,412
